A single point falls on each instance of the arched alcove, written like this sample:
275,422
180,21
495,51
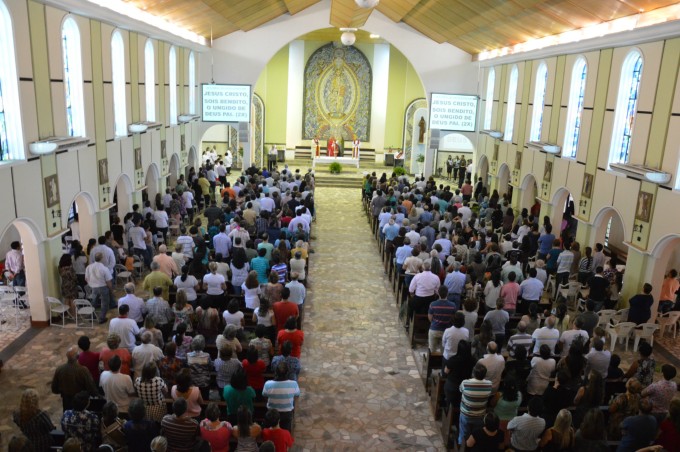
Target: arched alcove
483,170
152,182
192,161
503,179
665,256
455,145
173,169
610,230
122,197
563,203
25,231
85,207
528,191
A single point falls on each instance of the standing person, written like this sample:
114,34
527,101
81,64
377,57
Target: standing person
125,328
662,392
440,315
14,262
69,282
34,423
641,306
240,268
449,167
152,391
643,368
145,353
87,358
117,386
638,431
423,289
669,288
71,378
82,424
179,428
214,431
136,305
281,393
475,393
527,428
99,278
281,438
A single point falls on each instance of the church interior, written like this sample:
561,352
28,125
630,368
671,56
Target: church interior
102,108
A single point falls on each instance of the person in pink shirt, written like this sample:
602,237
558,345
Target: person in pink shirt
510,293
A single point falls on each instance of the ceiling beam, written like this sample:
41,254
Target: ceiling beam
346,14
295,6
396,9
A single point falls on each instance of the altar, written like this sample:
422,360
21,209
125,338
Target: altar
325,160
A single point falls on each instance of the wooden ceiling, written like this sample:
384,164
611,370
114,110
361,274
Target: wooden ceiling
471,25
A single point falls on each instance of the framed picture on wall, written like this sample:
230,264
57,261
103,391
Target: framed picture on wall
51,191
138,158
587,189
182,143
518,161
164,151
495,152
103,171
547,172
644,206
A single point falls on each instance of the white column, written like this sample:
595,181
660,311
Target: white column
381,71
296,68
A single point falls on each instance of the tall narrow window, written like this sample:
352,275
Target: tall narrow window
150,81
539,102
512,100
118,79
11,135
488,106
192,84
172,81
73,78
577,92
626,105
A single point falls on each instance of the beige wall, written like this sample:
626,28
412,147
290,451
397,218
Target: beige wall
654,143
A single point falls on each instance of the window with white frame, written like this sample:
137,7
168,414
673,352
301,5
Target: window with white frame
172,81
192,84
512,100
11,135
150,80
577,91
118,79
539,102
488,106
73,78
626,106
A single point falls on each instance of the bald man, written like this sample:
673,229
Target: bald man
71,378
167,263
137,306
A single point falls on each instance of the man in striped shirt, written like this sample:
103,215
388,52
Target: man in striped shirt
281,393
179,428
440,315
475,393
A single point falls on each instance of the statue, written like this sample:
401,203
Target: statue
421,126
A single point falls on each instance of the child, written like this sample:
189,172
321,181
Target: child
280,437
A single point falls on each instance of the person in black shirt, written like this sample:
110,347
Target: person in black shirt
557,397
599,287
641,306
488,438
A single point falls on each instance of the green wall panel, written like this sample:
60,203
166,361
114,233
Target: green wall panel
41,70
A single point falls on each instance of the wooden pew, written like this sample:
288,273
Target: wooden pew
436,394
448,422
418,329
432,361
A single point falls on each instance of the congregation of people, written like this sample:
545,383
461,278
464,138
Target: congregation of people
525,366
203,347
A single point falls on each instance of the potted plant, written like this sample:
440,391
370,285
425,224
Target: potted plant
399,171
335,168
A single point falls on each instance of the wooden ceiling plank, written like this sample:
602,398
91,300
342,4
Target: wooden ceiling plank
397,9
295,6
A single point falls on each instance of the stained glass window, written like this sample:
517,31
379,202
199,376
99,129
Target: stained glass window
539,102
73,78
626,106
575,108
512,101
118,79
150,80
488,106
11,135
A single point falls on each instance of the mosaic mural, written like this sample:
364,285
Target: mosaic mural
258,129
337,96
408,130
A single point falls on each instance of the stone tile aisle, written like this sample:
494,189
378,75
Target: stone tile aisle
361,387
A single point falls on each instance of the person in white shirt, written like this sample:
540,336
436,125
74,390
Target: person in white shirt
222,242
547,335
423,288
125,327
569,336
187,243
494,363
267,204
531,288
221,172
137,235
145,353
135,304
167,198
454,334
161,218
108,256
99,279
117,387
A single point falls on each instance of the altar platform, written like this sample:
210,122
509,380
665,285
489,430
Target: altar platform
324,160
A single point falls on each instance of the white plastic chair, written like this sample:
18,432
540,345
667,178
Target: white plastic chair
84,311
621,315
138,266
123,273
645,331
621,331
605,316
57,308
9,307
669,320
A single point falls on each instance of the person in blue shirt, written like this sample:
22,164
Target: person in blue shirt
261,265
545,242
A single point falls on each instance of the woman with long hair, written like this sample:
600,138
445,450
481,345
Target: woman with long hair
251,290
531,320
589,395
188,284
152,390
183,312
492,290
239,269
238,393
246,431
542,367
69,282
623,406
482,339
456,369
562,323
561,436
186,390
169,365
34,423
208,321
272,290
592,436
264,315
182,341
507,402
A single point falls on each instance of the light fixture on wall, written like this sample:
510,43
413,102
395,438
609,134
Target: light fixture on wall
367,3
348,37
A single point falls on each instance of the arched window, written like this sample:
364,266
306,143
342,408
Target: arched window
192,84
73,78
539,102
150,81
11,135
118,79
626,105
172,81
577,91
488,106
512,100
